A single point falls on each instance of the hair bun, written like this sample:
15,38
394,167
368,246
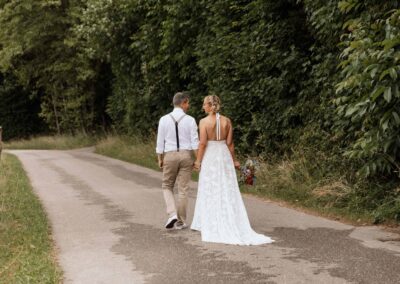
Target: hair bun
214,102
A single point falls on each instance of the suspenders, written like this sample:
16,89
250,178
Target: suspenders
176,129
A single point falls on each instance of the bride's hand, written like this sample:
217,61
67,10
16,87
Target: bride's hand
196,166
236,164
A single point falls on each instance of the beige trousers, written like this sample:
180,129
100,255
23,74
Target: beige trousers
177,167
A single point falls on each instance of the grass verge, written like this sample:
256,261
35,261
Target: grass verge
292,183
59,142
296,182
26,251
131,149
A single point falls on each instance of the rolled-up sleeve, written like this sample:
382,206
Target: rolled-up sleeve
194,135
160,138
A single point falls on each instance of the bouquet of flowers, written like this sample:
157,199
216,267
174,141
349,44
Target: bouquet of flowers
247,172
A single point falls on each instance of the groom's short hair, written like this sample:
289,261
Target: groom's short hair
179,98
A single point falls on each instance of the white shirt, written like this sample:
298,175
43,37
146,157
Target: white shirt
187,130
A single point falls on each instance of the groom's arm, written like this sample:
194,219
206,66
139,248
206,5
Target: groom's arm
160,144
160,160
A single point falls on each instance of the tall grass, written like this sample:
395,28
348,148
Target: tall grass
58,142
293,182
301,183
26,250
137,150
131,149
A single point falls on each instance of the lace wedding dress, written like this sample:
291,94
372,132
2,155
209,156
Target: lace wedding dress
220,213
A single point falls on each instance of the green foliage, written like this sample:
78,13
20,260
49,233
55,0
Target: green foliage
149,46
368,102
37,45
234,49
252,54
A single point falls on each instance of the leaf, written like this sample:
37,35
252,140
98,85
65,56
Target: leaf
386,146
396,117
383,74
385,125
393,73
377,93
388,94
351,110
373,72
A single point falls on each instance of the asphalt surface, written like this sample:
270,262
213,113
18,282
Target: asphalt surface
107,218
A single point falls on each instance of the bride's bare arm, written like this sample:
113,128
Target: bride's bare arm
202,144
231,145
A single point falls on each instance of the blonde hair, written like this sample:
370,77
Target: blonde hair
214,102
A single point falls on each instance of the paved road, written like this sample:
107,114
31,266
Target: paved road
107,217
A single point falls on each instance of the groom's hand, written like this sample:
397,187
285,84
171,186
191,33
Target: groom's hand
196,166
160,161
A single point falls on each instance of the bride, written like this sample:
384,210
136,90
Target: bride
220,214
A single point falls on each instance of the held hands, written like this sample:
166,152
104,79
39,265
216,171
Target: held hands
197,166
236,164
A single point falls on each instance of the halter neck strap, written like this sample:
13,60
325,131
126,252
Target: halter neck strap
218,126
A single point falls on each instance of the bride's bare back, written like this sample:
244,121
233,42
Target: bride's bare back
208,129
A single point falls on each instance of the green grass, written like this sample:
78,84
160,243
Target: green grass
297,184
131,149
26,250
59,142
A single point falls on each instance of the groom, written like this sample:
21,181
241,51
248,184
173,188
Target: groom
176,138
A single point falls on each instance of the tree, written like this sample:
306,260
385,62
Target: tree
37,44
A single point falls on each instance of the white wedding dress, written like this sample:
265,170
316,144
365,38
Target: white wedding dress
220,213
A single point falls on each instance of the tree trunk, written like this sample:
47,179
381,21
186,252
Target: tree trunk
55,115
1,140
